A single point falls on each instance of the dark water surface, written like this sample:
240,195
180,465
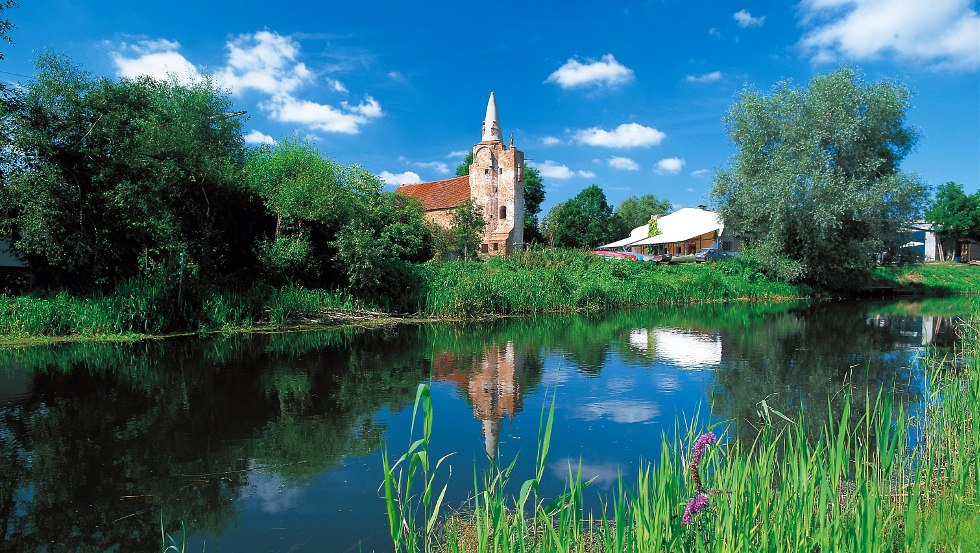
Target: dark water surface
273,442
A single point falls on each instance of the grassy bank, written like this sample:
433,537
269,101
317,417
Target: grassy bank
934,278
889,480
533,282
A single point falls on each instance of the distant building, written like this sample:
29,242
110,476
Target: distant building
495,183
682,232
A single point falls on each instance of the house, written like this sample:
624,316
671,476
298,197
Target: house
682,232
495,182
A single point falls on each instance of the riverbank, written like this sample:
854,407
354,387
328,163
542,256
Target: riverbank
876,479
530,283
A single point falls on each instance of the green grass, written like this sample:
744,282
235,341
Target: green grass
930,278
863,485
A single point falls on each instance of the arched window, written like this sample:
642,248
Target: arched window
503,212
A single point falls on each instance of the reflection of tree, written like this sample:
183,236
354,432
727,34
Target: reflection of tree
108,436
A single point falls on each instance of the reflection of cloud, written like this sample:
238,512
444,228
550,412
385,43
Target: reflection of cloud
621,384
617,410
688,350
271,492
640,339
667,382
603,473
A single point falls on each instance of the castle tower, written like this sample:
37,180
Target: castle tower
496,181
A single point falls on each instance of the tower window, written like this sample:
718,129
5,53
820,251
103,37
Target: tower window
486,171
503,212
501,171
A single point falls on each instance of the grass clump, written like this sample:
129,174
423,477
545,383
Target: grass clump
885,480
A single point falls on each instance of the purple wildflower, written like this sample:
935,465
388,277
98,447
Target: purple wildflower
700,445
694,507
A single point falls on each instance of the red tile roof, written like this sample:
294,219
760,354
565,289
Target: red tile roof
439,194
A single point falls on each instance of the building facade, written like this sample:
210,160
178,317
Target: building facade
495,183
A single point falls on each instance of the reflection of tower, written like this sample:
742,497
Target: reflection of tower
493,383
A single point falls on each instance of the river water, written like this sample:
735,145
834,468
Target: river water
272,442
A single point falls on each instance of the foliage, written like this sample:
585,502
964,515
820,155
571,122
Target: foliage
466,227
635,211
5,24
105,177
954,213
815,188
533,197
581,222
463,168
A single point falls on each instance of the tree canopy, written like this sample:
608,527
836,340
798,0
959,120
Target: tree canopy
581,222
635,211
815,187
954,213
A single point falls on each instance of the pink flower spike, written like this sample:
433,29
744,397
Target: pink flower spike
694,507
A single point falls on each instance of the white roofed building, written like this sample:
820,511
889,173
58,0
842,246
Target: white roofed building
682,232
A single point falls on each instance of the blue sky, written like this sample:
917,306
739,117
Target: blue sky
629,95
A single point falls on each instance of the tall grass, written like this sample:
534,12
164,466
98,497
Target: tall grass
887,480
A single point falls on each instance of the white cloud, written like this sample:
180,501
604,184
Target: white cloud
257,137
321,117
263,61
714,32
408,177
337,86
550,141
370,108
704,78
940,33
551,170
437,166
627,135
623,163
670,165
691,190
606,71
159,59
745,19
457,153
700,172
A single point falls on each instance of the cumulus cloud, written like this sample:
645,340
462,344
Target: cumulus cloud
670,165
704,78
558,171
745,19
158,58
263,61
408,177
321,117
940,33
550,141
258,137
623,163
627,135
606,71
438,166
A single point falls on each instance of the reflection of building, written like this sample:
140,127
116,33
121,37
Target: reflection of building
685,349
493,383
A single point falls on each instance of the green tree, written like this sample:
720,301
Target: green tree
584,221
954,213
463,168
467,228
104,178
815,188
635,211
533,197
5,24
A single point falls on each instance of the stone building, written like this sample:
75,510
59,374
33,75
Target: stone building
495,183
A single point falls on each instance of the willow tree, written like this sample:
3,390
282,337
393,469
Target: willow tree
815,189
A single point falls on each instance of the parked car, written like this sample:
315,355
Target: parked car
708,254
613,255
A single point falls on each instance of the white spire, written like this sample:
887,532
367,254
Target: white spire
491,125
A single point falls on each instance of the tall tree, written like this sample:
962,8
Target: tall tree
635,211
581,222
5,24
533,197
463,168
104,177
815,187
954,213
467,228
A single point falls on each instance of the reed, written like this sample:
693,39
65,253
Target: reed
885,480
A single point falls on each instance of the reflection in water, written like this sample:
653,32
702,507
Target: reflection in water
236,435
